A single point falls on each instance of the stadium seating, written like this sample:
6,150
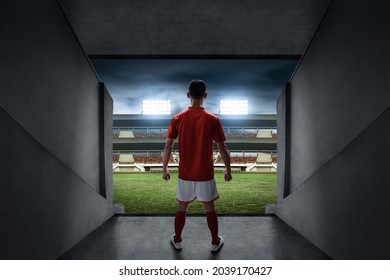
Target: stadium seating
126,134
126,158
242,160
154,159
250,159
149,135
240,135
115,158
130,158
238,160
264,158
263,133
132,142
139,159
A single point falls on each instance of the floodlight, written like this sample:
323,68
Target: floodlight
156,107
233,107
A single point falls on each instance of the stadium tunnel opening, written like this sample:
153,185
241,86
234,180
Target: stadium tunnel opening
139,133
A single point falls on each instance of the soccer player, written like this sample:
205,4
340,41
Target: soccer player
196,129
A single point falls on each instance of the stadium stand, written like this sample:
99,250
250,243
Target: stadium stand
149,135
126,158
139,159
126,134
115,158
264,133
264,158
243,160
240,135
263,162
153,160
138,144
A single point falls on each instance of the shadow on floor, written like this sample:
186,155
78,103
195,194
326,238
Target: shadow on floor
147,237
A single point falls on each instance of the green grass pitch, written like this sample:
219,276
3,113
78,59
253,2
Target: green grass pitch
148,193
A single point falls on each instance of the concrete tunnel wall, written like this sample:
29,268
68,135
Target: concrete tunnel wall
55,144
334,149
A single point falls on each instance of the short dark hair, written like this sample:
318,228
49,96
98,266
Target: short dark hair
197,89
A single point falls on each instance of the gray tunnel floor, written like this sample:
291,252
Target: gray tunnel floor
147,238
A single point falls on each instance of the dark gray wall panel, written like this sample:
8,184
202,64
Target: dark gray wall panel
46,207
341,85
52,135
108,145
202,27
48,85
344,207
340,146
283,146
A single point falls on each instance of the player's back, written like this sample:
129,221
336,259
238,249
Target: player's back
197,129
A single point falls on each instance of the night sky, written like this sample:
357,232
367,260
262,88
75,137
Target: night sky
130,81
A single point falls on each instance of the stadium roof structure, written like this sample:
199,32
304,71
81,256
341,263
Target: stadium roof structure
138,120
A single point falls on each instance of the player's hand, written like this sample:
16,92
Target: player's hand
166,175
228,176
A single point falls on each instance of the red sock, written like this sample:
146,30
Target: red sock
212,222
180,221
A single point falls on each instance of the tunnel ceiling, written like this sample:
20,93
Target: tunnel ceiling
202,27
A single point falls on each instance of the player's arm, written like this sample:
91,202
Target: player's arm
223,150
166,157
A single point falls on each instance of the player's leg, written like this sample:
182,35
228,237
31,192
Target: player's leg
212,221
185,193
180,220
182,206
209,206
207,193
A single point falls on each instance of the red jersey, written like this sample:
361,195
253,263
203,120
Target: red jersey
197,129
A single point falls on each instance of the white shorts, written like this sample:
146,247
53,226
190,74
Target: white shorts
204,191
